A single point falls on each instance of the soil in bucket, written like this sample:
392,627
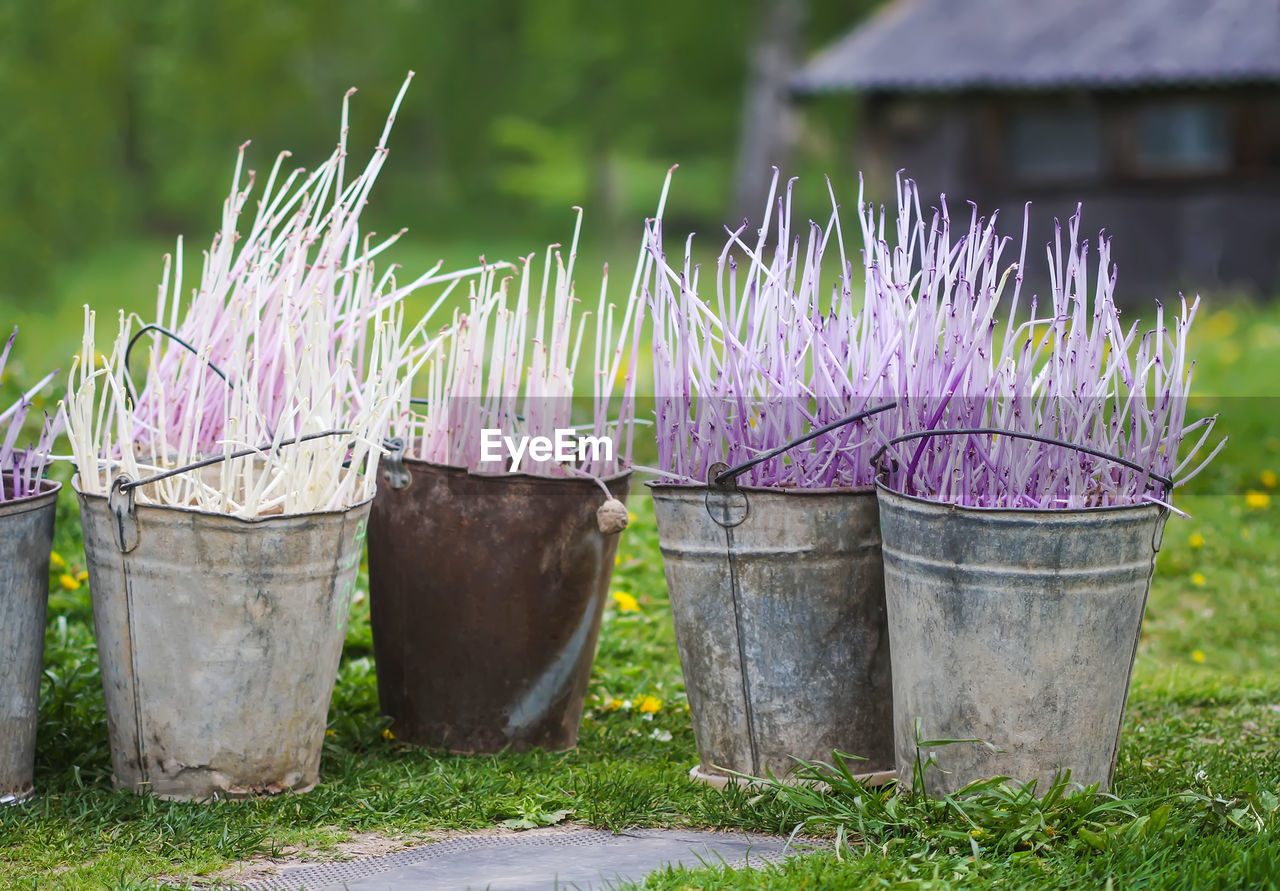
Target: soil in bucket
486,595
219,640
778,601
26,540
1017,628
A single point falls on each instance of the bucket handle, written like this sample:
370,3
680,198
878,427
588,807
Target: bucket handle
1036,437
726,478
121,500
730,507
160,329
175,338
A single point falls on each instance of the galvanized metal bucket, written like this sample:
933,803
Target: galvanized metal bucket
26,539
486,594
219,640
778,602
1015,627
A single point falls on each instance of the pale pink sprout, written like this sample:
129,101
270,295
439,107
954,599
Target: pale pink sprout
308,335
510,363
23,468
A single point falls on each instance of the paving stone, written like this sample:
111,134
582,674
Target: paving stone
574,859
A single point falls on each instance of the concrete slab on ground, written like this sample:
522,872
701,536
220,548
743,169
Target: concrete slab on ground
563,859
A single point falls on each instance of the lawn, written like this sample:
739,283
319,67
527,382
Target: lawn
1196,800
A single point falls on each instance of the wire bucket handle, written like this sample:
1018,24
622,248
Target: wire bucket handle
727,504
121,500
160,329
1035,437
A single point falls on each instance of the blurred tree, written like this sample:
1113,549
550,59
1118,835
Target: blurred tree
67,150
764,137
123,117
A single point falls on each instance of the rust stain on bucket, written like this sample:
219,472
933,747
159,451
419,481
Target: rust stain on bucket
486,594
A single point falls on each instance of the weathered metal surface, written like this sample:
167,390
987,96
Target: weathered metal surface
778,601
219,640
486,594
26,538
1016,627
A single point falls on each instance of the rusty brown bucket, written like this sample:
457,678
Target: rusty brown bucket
486,594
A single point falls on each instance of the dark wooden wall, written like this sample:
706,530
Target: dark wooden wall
1215,232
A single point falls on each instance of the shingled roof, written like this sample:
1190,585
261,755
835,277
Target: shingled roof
917,45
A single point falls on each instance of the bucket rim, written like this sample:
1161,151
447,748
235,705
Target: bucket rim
246,521
883,489
45,489
796,491
531,478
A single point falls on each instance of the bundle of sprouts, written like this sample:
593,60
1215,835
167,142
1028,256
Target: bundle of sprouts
22,468
291,334
508,376
1076,374
768,354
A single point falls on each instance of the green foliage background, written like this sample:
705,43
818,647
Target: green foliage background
122,118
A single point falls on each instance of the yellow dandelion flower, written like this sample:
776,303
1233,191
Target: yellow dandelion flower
68,581
631,517
56,563
1256,500
1222,323
387,734
1196,540
82,575
975,832
612,704
331,733
1197,579
1268,478
626,603
1197,655
617,560
650,704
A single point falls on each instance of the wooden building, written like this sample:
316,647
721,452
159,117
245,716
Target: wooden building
1161,116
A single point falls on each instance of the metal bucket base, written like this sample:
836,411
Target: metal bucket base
226,794
17,797
720,781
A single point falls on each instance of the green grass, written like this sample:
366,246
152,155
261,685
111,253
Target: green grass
1196,788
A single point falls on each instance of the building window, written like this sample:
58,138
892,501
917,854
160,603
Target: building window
1055,145
1180,137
